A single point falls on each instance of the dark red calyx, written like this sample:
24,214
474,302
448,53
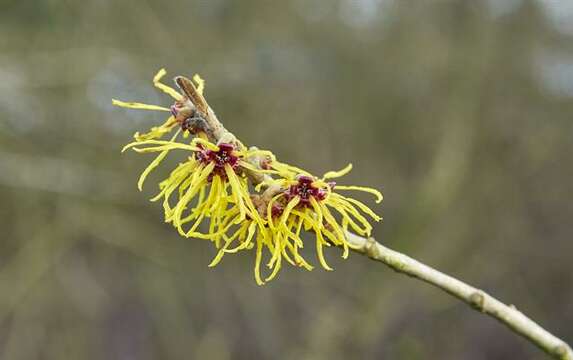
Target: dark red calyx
305,190
225,155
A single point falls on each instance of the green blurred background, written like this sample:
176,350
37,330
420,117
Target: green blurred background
460,111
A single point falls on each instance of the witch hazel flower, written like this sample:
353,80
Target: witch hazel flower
208,195
210,186
305,202
211,178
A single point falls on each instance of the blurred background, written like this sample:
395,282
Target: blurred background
460,111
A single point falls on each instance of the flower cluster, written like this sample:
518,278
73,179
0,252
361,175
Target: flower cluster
306,202
209,196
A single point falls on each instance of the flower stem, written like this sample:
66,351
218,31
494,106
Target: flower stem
476,298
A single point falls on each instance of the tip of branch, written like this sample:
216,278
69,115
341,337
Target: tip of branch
189,89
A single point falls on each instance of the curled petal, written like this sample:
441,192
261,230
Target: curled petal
153,165
166,89
339,173
200,83
375,192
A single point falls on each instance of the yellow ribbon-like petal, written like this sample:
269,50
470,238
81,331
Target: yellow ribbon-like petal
200,83
136,105
339,173
166,89
374,192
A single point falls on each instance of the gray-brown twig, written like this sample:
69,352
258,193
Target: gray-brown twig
476,298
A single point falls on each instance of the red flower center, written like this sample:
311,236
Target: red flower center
223,156
305,190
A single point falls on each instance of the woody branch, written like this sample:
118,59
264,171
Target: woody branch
514,319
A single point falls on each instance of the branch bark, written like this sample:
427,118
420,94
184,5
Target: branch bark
476,298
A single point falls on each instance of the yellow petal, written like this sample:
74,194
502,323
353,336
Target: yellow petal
319,252
339,173
160,74
258,259
136,105
153,165
374,192
150,168
206,143
166,89
359,204
200,83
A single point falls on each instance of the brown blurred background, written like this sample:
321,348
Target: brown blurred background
460,111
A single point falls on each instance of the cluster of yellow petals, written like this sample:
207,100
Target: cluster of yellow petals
329,216
223,199
209,200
